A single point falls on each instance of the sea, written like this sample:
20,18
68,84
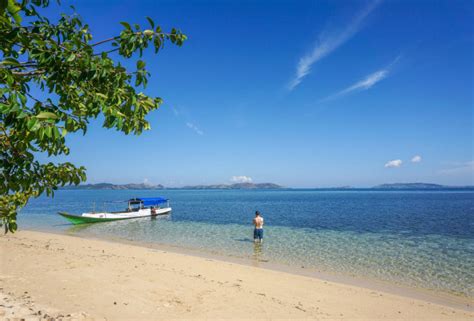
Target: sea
419,239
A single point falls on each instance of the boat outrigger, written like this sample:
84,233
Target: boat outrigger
137,208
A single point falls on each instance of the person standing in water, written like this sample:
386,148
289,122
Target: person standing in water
258,231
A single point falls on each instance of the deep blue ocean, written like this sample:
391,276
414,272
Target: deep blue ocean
422,239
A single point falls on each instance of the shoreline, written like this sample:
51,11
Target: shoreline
445,298
165,284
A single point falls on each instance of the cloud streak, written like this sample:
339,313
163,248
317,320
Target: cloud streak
175,111
180,115
195,128
368,82
466,168
329,41
416,159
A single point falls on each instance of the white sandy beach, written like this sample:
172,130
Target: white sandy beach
72,278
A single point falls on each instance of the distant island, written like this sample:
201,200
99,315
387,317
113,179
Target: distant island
268,186
236,186
109,186
418,186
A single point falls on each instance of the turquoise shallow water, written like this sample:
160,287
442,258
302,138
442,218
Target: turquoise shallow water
419,239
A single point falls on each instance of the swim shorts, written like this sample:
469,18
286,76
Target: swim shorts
258,233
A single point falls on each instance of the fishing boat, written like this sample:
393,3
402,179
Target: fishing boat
137,208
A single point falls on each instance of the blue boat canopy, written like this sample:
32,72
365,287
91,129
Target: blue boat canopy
148,201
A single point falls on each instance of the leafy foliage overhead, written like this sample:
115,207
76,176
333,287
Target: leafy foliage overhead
78,81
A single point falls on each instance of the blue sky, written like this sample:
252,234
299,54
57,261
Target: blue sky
299,93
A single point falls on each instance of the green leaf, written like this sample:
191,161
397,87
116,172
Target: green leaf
13,8
140,64
22,99
31,123
10,61
12,227
48,131
152,24
55,132
36,127
21,115
46,115
71,57
126,25
3,6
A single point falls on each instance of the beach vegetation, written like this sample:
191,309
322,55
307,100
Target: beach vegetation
54,79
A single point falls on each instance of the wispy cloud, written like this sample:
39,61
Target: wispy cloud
195,128
366,83
175,111
466,168
394,163
329,41
416,159
180,114
241,179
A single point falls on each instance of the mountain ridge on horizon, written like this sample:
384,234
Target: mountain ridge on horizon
236,186
145,186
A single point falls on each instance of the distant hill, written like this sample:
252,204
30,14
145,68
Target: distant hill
236,186
109,186
417,186
249,186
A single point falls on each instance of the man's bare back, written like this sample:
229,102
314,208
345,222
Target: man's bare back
258,231
258,222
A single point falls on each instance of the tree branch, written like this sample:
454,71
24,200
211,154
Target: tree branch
118,37
20,66
108,51
28,73
104,41
54,106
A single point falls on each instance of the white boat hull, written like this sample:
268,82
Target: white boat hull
144,212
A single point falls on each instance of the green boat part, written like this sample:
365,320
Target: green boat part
77,219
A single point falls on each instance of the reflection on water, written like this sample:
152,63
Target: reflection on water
258,253
77,228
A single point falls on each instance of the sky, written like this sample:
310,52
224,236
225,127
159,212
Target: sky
298,93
